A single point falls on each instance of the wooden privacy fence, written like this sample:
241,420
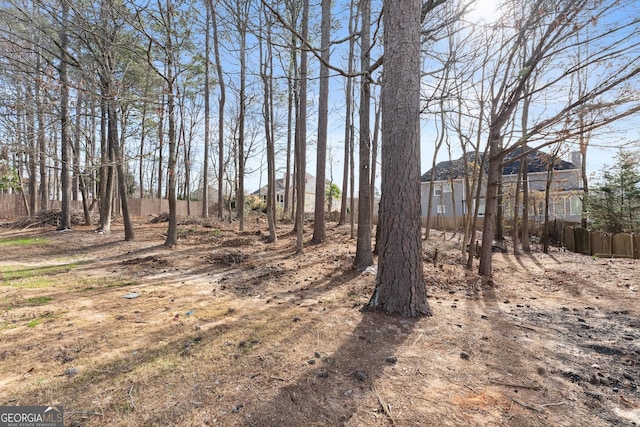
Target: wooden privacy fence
596,243
146,207
12,207
450,224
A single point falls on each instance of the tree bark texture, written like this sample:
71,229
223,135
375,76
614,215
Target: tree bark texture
65,134
319,232
301,140
400,287
364,253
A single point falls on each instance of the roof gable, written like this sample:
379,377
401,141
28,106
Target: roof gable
537,162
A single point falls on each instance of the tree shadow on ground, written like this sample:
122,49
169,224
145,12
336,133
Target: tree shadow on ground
330,391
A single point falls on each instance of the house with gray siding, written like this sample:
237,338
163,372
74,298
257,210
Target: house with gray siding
449,190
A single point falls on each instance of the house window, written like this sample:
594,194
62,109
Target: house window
437,192
446,188
441,209
481,207
575,205
558,207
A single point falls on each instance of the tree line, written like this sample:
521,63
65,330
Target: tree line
118,97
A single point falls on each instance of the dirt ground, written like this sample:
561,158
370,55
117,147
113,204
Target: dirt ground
227,330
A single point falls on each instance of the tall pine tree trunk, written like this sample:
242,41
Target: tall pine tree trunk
301,137
348,128
319,232
400,287
221,105
364,253
65,135
207,94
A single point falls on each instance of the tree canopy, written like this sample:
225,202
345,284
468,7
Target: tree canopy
614,203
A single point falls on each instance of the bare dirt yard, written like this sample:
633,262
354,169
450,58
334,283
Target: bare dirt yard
227,330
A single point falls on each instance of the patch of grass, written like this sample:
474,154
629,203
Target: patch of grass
33,277
9,305
99,283
30,283
38,320
23,241
34,323
39,300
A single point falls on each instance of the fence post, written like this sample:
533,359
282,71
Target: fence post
581,240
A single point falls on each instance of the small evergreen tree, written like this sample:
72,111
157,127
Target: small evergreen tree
9,178
332,192
615,202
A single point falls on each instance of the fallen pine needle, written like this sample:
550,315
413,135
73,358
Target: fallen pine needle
133,405
384,405
531,387
524,405
553,404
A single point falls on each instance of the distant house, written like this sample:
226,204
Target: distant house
449,193
309,196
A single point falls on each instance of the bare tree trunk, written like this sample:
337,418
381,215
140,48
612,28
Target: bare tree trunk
172,229
207,94
65,137
476,211
106,170
290,130
118,156
374,161
319,233
32,152
143,137
79,171
160,146
293,120
90,155
364,254
498,228
516,208
242,29
352,179
186,153
221,102
524,169
75,184
400,287
427,232
584,213
42,144
86,208
348,126
547,197
301,140
267,80
493,181
453,191
526,242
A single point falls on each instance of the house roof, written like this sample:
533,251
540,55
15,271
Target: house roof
537,162
280,185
